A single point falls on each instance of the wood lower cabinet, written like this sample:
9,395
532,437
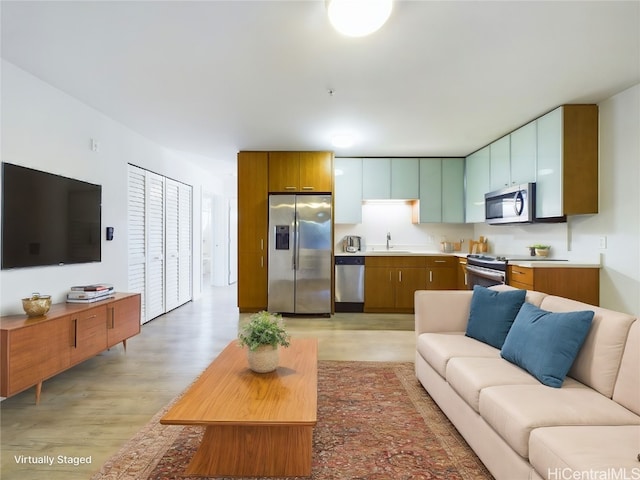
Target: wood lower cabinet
442,272
35,349
88,330
391,282
462,274
581,284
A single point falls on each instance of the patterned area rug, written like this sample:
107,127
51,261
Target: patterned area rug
375,422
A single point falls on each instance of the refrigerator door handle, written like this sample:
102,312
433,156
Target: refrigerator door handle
296,249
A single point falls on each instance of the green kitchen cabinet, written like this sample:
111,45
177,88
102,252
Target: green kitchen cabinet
348,190
390,178
441,190
499,164
477,184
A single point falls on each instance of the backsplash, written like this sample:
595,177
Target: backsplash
378,219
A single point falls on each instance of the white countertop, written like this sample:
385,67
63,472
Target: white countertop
521,263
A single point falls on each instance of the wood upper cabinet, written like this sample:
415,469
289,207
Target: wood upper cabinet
316,172
567,167
581,284
253,195
291,172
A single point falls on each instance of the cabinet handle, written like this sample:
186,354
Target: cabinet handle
307,188
517,272
390,279
465,278
90,317
111,318
261,261
400,276
440,261
290,188
75,333
430,276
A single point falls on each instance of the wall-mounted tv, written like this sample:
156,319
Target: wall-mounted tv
48,219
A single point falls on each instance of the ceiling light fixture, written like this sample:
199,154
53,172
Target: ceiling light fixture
357,18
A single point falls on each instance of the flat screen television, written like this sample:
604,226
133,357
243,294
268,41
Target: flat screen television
48,219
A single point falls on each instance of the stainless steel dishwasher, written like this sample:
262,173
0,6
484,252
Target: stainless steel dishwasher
349,294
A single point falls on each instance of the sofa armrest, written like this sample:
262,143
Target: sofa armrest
441,310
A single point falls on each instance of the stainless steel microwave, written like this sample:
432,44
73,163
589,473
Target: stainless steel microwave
515,204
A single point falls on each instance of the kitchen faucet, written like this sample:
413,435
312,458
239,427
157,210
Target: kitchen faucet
388,239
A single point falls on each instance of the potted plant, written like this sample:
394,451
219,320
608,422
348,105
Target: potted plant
541,250
263,335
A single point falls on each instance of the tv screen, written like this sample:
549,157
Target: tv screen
48,219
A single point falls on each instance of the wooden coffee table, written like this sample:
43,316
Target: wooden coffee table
257,424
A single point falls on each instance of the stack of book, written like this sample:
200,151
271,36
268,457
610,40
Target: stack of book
89,293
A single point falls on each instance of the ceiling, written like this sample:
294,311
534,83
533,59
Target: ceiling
441,78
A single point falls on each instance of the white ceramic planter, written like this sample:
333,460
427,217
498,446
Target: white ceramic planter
263,359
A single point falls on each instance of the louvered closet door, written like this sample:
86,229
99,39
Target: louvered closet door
137,241
185,240
172,231
155,245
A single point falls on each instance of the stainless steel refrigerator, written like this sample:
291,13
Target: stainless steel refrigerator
300,240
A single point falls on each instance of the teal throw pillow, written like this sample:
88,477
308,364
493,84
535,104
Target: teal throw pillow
492,314
544,343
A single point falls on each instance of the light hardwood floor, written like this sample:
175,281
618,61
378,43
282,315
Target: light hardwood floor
92,409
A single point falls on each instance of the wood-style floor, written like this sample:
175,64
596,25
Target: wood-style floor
91,410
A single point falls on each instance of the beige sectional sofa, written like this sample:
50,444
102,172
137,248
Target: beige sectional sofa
589,428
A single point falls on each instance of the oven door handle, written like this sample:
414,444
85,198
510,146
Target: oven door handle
486,273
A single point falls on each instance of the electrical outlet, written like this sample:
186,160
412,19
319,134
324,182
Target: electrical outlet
603,242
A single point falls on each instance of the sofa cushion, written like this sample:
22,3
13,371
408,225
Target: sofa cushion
492,313
513,411
544,343
603,450
438,348
469,375
627,388
599,358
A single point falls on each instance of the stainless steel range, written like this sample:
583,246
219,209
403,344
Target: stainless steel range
487,270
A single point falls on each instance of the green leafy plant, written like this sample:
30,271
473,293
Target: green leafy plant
264,328
540,246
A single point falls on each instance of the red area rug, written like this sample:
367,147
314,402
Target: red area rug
375,422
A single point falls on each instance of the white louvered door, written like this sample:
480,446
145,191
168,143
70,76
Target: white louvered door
137,241
160,238
172,243
185,239
155,245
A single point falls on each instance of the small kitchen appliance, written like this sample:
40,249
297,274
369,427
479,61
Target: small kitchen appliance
352,244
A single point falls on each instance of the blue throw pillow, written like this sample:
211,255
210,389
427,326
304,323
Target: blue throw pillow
492,314
545,344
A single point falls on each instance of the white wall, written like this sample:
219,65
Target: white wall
45,129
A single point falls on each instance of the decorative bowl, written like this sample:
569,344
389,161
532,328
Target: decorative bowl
36,305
